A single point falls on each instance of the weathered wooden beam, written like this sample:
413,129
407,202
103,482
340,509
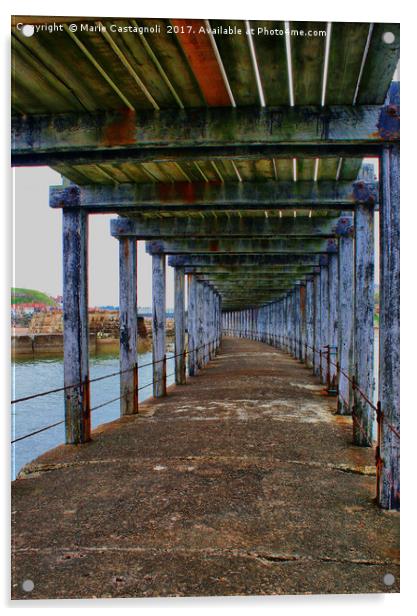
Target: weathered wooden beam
128,326
224,226
80,138
184,196
75,309
389,331
364,325
252,274
158,325
241,261
179,324
242,246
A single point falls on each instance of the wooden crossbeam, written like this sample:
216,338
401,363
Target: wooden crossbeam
253,276
246,271
226,226
82,138
242,246
183,196
241,261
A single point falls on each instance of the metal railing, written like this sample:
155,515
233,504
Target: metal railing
289,343
207,346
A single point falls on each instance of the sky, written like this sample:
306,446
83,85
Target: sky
38,245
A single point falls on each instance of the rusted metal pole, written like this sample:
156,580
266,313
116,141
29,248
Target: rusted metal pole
75,308
128,325
179,324
158,325
389,328
345,320
364,323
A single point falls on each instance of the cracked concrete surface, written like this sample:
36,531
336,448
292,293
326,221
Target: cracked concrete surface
241,482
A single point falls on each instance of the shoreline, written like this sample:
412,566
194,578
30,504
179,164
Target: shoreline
25,346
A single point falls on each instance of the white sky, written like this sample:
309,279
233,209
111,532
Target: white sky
38,245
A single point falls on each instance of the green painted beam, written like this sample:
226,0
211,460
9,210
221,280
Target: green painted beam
84,138
187,196
227,226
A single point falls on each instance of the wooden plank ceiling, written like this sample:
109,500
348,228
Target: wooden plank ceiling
182,65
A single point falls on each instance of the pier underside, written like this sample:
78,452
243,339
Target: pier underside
244,481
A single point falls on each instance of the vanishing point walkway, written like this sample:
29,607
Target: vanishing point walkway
241,482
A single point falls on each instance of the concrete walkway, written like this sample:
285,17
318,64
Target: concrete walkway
241,482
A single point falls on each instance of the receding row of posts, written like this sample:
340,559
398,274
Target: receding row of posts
197,329
204,327
327,321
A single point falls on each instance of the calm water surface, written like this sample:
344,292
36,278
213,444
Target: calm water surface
38,375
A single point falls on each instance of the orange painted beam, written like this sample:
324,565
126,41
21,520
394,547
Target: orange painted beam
197,47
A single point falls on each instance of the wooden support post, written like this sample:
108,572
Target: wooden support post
317,320
192,325
324,315
309,322
303,323
200,325
297,321
179,322
281,324
364,324
346,321
206,307
128,326
158,325
75,295
333,318
214,323
293,322
287,322
211,323
219,316
389,330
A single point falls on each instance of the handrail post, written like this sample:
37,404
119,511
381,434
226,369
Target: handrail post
378,459
135,388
